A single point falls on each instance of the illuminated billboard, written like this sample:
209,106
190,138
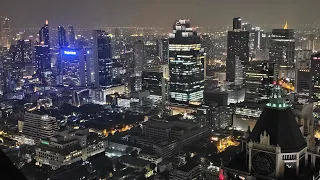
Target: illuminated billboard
70,53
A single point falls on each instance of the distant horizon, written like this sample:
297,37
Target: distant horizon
146,13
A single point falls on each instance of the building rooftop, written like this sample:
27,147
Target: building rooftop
133,161
189,166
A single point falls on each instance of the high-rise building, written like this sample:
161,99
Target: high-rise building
282,47
302,74
38,125
164,51
186,64
62,37
71,38
75,67
103,58
315,78
238,45
259,76
44,37
24,53
139,57
43,62
5,32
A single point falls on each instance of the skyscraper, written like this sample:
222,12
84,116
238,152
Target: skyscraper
44,34
24,53
62,37
282,47
164,50
186,64
5,32
259,76
103,58
315,75
71,38
43,62
139,57
238,45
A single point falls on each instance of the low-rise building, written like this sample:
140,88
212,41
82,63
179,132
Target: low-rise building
67,147
187,172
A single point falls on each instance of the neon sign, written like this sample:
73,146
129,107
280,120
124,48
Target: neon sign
70,53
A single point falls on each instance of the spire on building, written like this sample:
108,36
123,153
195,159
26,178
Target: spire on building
286,25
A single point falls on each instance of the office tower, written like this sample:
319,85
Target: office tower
38,125
43,62
282,47
164,51
74,67
24,53
44,38
139,57
151,53
103,58
276,147
186,64
302,74
62,38
238,45
71,38
315,81
154,80
259,76
5,32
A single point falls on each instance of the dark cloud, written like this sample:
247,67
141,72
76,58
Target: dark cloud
157,13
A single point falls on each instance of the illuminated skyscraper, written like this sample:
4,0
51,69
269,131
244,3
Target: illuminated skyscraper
62,37
24,53
5,32
164,50
44,34
43,62
282,47
238,45
139,57
186,64
71,38
102,58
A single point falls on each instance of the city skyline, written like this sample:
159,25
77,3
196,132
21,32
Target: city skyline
141,13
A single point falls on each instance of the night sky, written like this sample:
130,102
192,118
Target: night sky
157,13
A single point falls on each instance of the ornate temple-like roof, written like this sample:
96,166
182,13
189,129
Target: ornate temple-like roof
279,123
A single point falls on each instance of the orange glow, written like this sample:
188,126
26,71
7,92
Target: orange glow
47,22
114,130
317,134
224,143
287,86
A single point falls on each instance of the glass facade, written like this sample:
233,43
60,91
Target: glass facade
186,64
282,47
103,57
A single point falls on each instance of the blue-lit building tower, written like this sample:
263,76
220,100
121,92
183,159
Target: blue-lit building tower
186,64
44,34
62,37
102,58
